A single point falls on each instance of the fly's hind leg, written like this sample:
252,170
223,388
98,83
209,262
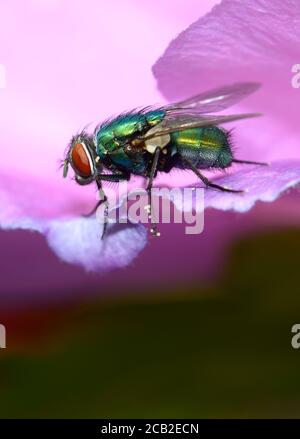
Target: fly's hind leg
249,162
153,229
209,183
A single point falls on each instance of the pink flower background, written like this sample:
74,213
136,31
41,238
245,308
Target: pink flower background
69,64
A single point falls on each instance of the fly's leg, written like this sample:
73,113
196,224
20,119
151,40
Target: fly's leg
209,183
248,162
103,197
105,177
94,210
153,229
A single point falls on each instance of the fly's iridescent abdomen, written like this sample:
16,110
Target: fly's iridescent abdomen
204,147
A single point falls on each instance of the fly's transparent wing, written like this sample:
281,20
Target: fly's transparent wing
215,100
181,122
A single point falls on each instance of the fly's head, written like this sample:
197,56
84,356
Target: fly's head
82,156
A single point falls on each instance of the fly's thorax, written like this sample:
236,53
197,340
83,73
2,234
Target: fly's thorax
122,130
154,117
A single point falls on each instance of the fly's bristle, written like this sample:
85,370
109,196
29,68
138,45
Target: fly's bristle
230,139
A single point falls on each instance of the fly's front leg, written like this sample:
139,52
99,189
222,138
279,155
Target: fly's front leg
153,229
103,197
105,177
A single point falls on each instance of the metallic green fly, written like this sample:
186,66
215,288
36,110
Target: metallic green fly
142,142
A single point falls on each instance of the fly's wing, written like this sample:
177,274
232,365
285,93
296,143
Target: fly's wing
180,122
215,100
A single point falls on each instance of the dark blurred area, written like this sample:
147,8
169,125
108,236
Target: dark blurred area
215,350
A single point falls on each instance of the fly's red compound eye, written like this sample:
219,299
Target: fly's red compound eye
81,160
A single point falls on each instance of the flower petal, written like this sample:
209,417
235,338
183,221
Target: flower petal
209,50
78,241
23,196
30,203
260,183
209,54
69,69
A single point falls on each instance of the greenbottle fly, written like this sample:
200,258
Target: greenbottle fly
142,142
